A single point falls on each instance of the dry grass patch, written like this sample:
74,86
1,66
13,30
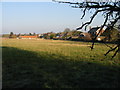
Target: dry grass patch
70,44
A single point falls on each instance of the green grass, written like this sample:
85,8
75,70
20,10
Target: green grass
58,64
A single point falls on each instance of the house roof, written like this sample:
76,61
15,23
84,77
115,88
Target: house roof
93,29
28,36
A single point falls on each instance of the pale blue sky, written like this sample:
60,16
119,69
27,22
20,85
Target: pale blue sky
41,17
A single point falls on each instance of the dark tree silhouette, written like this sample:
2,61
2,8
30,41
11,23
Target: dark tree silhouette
110,11
11,33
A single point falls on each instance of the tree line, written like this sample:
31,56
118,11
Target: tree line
67,34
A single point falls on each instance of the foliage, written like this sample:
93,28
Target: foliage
67,30
52,35
6,35
18,35
34,34
111,35
12,35
46,36
63,37
76,33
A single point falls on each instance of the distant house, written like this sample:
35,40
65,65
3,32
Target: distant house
92,33
48,35
75,38
96,30
27,37
85,36
40,35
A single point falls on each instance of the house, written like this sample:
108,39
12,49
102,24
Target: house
85,36
28,37
95,31
48,35
40,35
92,33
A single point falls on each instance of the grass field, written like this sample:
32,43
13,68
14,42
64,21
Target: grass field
57,64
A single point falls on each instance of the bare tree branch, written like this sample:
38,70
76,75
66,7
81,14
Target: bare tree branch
87,23
84,13
99,31
108,45
110,10
92,5
112,50
115,54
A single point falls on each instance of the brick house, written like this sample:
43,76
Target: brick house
28,37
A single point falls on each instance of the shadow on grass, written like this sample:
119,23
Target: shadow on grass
25,69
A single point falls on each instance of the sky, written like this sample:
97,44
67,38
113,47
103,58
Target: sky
41,17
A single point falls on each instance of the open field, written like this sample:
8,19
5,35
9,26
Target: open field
30,63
